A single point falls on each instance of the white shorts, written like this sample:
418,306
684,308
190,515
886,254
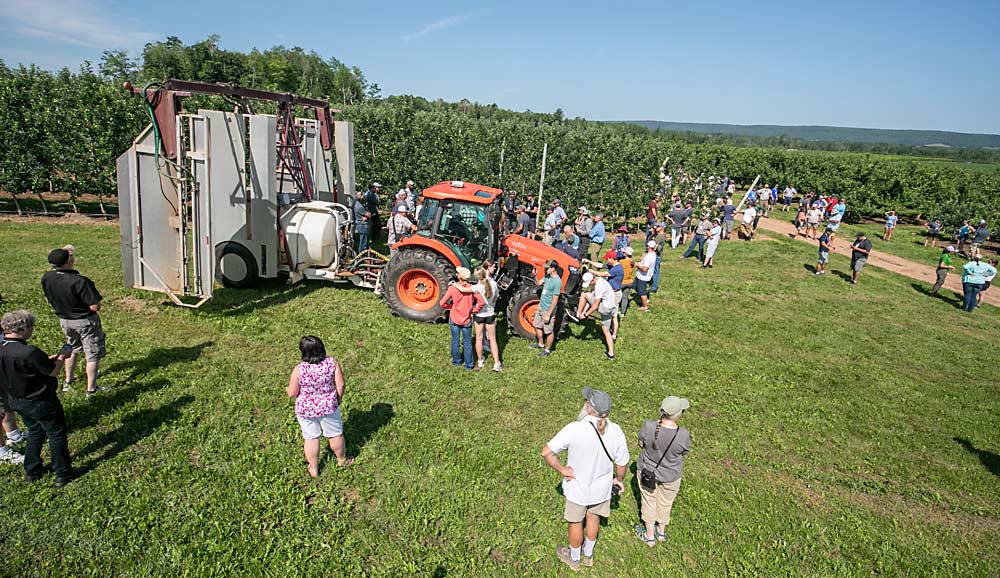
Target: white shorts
329,426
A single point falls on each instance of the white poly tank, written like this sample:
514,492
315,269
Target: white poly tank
311,231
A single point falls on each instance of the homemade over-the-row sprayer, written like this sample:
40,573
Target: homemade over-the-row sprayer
237,196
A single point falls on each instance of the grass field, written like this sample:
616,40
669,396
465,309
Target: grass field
838,431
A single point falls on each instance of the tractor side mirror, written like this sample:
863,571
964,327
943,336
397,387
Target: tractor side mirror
508,273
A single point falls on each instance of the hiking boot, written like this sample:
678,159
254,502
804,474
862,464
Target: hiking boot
562,552
587,561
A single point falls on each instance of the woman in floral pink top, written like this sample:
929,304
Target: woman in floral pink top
317,384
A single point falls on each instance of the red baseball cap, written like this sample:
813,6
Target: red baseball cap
611,255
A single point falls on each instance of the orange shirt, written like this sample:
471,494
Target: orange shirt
629,266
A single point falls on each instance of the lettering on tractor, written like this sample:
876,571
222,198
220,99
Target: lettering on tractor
460,224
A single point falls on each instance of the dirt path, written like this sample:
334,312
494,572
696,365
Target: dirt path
887,261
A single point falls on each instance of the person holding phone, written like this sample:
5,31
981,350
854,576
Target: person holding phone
28,380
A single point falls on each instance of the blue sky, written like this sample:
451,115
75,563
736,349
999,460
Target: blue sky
880,64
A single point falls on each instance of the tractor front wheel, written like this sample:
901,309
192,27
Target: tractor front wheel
414,281
521,312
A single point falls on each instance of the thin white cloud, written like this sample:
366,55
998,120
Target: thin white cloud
439,25
85,23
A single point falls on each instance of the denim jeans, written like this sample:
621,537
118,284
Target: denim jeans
700,241
969,293
44,418
654,286
362,229
461,335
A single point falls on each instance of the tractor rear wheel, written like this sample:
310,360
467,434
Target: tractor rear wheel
414,281
521,310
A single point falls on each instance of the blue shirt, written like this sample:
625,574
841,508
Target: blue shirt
550,289
752,196
840,207
977,272
597,234
616,274
728,212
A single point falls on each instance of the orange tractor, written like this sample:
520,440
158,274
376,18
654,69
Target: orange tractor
460,225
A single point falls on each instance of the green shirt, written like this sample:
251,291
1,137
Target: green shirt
550,289
945,261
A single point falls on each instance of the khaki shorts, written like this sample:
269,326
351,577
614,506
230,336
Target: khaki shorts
85,335
575,513
858,264
607,315
656,504
538,322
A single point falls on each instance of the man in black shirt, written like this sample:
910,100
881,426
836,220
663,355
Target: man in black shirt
27,377
860,250
76,302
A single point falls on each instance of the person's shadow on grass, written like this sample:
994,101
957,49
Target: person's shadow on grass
129,387
919,288
990,460
362,425
842,275
810,268
135,427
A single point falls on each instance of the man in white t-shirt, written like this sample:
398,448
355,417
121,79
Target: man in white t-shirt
746,225
645,269
603,300
597,460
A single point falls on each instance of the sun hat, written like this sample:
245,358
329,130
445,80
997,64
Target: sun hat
411,184
715,220
463,273
623,229
583,210
950,249
376,184
599,400
628,251
611,255
673,406
588,278
59,257
651,244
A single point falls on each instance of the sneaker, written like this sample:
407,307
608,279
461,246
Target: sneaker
818,273
545,353
99,389
15,437
66,386
9,456
562,552
853,282
609,356
497,367
536,346
480,363
587,561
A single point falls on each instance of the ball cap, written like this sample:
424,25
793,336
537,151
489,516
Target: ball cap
410,184
59,257
628,250
673,406
611,255
950,249
599,400
651,244
588,279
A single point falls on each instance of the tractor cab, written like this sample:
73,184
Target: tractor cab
464,218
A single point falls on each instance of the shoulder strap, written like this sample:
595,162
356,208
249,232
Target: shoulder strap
605,448
664,454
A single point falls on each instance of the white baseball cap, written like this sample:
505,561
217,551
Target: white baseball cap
588,278
651,244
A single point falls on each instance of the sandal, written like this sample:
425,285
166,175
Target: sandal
660,536
640,532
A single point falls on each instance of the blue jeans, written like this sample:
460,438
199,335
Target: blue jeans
700,241
655,285
362,230
461,334
969,293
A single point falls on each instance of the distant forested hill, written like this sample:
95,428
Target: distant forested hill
834,134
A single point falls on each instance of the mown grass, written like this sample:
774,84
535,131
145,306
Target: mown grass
838,431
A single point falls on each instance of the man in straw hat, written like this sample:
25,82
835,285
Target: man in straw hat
596,461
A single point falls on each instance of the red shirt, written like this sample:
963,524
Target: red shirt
461,306
651,210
